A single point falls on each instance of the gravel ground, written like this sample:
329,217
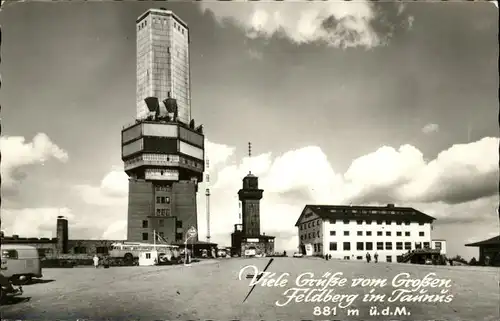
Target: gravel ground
211,290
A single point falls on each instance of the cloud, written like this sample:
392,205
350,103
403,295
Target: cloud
42,221
335,23
254,54
116,231
112,191
17,154
430,128
458,187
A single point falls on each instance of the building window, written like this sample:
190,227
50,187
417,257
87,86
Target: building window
360,233
387,233
312,223
347,258
178,224
407,233
332,233
388,259
333,246
10,254
346,221
398,234
380,245
368,233
178,236
407,223
80,250
418,245
399,223
317,234
359,222
369,246
421,234
437,245
300,227
388,222
318,222
101,250
359,257
302,237
144,224
346,233
332,221
359,246
144,236
380,222
399,245
158,212
161,223
426,245
388,245
407,245
368,222
309,225
347,246
379,233
420,223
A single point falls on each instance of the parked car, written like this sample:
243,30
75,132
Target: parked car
297,254
20,263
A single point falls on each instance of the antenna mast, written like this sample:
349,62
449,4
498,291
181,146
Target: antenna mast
249,154
207,194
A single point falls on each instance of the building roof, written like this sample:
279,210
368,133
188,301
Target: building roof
493,241
17,247
24,240
196,242
389,212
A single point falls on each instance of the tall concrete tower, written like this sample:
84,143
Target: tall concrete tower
163,61
163,150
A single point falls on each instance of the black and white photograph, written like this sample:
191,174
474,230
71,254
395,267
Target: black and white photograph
250,160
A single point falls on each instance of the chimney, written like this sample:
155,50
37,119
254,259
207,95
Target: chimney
62,235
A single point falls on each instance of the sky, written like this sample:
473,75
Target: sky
344,103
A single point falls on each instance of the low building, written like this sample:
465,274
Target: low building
61,245
349,232
489,251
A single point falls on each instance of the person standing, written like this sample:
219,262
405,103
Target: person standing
368,257
96,261
375,256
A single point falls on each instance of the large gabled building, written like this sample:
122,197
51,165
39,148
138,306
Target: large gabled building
349,232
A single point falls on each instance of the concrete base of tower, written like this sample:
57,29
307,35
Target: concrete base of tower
163,207
260,245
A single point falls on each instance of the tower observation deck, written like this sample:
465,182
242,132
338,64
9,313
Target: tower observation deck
163,151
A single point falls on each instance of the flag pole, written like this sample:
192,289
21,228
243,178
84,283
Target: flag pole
154,240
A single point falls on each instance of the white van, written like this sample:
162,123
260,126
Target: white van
20,263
